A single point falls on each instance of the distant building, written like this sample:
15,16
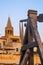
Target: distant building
10,46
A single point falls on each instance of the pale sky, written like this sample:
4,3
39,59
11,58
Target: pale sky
17,10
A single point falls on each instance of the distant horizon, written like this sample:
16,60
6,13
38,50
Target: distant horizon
17,10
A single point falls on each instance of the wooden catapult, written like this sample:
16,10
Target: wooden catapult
31,39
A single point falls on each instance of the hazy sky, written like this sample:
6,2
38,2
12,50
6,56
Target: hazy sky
17,10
